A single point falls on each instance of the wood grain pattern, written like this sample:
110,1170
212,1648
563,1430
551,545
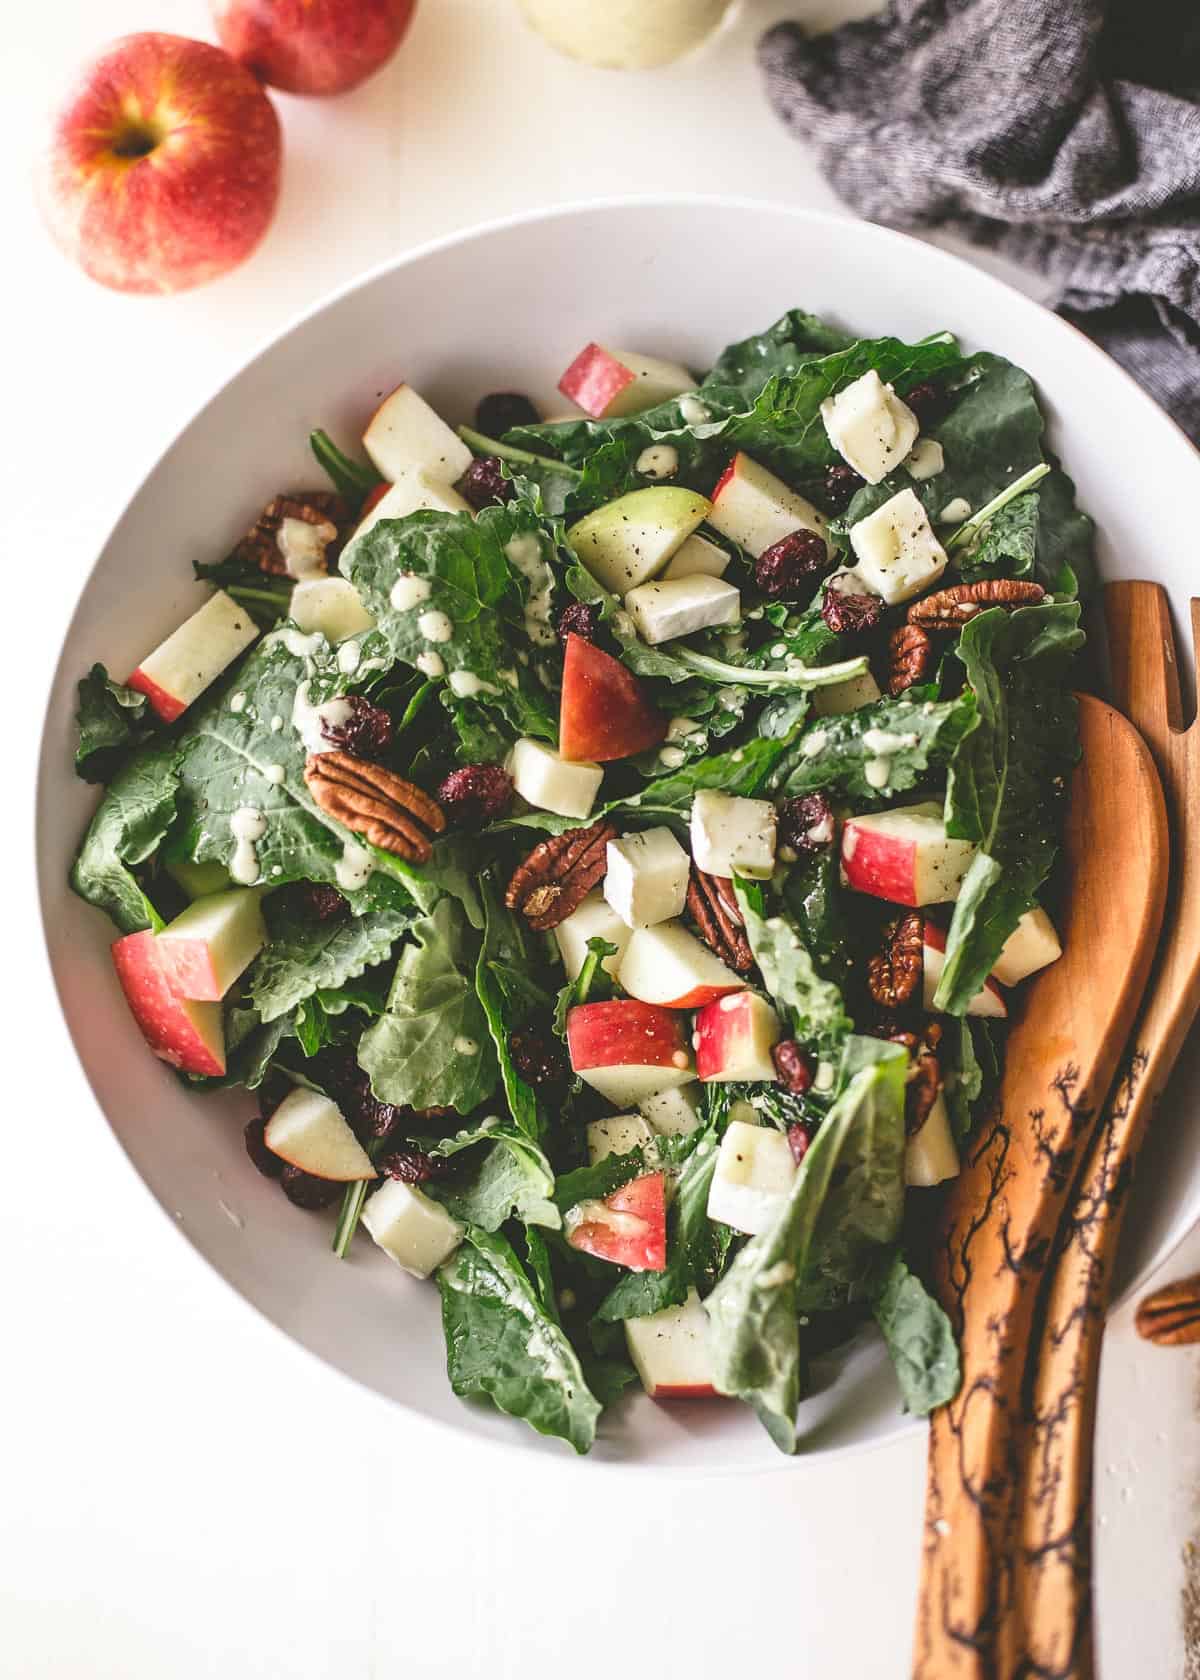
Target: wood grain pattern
1049,1631
1004,1212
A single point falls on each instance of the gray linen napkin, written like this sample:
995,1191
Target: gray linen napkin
1064,132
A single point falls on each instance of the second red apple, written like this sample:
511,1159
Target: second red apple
312,46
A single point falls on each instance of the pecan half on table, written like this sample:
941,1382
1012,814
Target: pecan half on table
559,873
386,810
266,543
714,909
950,609
1171,1315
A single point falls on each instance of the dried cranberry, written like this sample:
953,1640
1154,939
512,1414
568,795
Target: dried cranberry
806,823
366,732
503,411
786,570
271,1093
927,401
793,1065
581,618
267,1162
484,484
851,615
536,1059
306,1191
413,1166
321,900
842,484
799,1137
476,794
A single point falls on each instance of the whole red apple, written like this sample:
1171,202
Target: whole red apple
163,167
312,46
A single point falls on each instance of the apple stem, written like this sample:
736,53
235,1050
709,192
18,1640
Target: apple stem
509,452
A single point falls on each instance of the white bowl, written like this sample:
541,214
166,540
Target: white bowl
505,307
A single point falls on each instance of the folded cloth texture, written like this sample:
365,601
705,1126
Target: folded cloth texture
1066,133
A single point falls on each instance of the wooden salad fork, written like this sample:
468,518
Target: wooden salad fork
1004,1212
1050,1626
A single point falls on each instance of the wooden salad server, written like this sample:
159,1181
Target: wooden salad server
1050,1627
1006,1206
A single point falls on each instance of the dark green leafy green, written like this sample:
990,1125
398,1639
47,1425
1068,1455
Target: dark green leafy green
308,955
812,1006
511,1179
112,721
352,479
849,752
129,826
508,996
919,1339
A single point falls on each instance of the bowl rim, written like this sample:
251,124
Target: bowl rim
519,1440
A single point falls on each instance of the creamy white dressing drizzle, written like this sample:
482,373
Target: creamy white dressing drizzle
247,825
303,546
354,867
467,685
308,720
238,703
465,1046
274,773
692,411
431,664
525,553
660,460
435,626
409,591
348,656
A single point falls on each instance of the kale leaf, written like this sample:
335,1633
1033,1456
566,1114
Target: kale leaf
839,753
508,996
306,954
127,829
919,1339
812,1006
112,721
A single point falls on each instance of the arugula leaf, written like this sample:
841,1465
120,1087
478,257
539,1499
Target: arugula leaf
432,1047
840,753
508,996
490,583
503,1344
306,955
128,827
813,1006
1007,787
112,720
753,1311
919,1339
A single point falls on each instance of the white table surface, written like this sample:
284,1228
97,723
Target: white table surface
182,1491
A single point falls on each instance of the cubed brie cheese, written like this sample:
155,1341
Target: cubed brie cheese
733,836
618,1135
594,919
416,1232
681,606
754,1173
675,1112
647,877
869,426
544,779
846,696
897,552
697,557
406,435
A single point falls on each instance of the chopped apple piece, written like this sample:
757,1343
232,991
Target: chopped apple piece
734,1037
930,1155
733,836
670,1351
674,1112
198,880
190,1036
413,492
665,610
192,657
668,966
205,949
898,554
405,435
415,1231
593,919
755,1171
331,605
309,1131
987,1001
629,1227
544,779
1032,945
619,1135
755,509
871,428
627,541
610,383
698,557
625,1049
848,696
905,855
604,712
647,877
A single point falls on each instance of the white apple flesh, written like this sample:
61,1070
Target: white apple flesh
594,919
331,605
674,1112
1032,945
849,696
670,608
181,668
905,856
647,877
610,383
931,1155
411,1229
697,557
213,942
308,1130
988,1001
734,1038
187,1035
754,1174
406,435
619,1135
755,509
668,966
670,1351
626,542
413,492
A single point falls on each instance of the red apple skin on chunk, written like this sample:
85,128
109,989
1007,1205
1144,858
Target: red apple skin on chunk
163,165
624,1031
629,1227
988,1000
187,1035
734,1037
167,706
904,855
604,713
312,46
594,380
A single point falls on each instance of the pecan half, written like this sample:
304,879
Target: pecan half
714,909
949,609
1171,1315
924,1072
387,811
271,541
559,873
895,972
911,654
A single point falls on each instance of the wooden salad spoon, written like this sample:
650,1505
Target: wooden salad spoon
1005,1208
1050,1627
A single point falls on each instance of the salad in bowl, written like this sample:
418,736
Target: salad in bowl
607,845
